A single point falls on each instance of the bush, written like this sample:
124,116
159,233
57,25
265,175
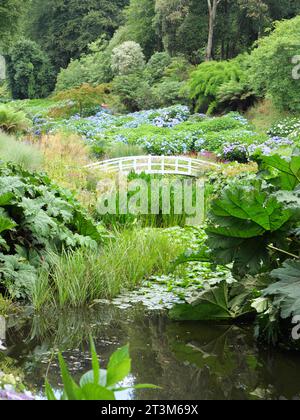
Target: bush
36,216
85,97
4,92
156,67
272,67
12,121
288,127
129,89
93,68
29,71
127,58
206,81
168,92
73,76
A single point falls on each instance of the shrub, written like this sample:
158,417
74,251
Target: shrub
272,67
168,92
12,121
29,71
205,82
36,216
20,153
71,77
93,68
129,89
127,58
288,127
156,67
4,92
85,96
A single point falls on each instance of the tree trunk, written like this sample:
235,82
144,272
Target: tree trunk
212,11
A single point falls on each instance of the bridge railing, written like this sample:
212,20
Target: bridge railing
164,165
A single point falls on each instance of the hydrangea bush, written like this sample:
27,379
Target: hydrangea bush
172,131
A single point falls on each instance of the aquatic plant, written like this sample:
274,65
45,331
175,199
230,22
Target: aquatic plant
97,384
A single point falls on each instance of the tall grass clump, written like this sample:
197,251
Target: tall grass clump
78,278
65,159
24,154
118,150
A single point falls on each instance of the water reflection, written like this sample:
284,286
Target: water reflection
188,360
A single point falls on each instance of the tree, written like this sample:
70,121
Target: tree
128,58
29,71
169,15
257,10
139,26
274,65
85,96
11,12
212,12
65,28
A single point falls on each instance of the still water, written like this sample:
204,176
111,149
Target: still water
187,360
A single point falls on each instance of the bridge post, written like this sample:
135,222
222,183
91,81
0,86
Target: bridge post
190,166
150,164
163,165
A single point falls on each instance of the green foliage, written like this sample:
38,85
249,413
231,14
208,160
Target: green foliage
97,384
35,217
29,71
26,155
78,278
156,67
127,58
286,292
131,90
11,14
4,92
116,150
12,121
93,68
251,215
85,97
253,226
272,66
65,29
206,81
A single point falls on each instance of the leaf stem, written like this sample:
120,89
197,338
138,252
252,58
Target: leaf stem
284,252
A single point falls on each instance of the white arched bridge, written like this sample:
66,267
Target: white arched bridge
162,165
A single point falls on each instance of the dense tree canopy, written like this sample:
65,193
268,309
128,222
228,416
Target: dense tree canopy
29,71
65,27
11,12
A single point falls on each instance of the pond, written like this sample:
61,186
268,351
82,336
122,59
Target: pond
187,360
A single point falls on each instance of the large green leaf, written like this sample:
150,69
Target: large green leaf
286,292
6,199
119,366
211,304
71,390
290,272
246,211
287,169
93,392
6,223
